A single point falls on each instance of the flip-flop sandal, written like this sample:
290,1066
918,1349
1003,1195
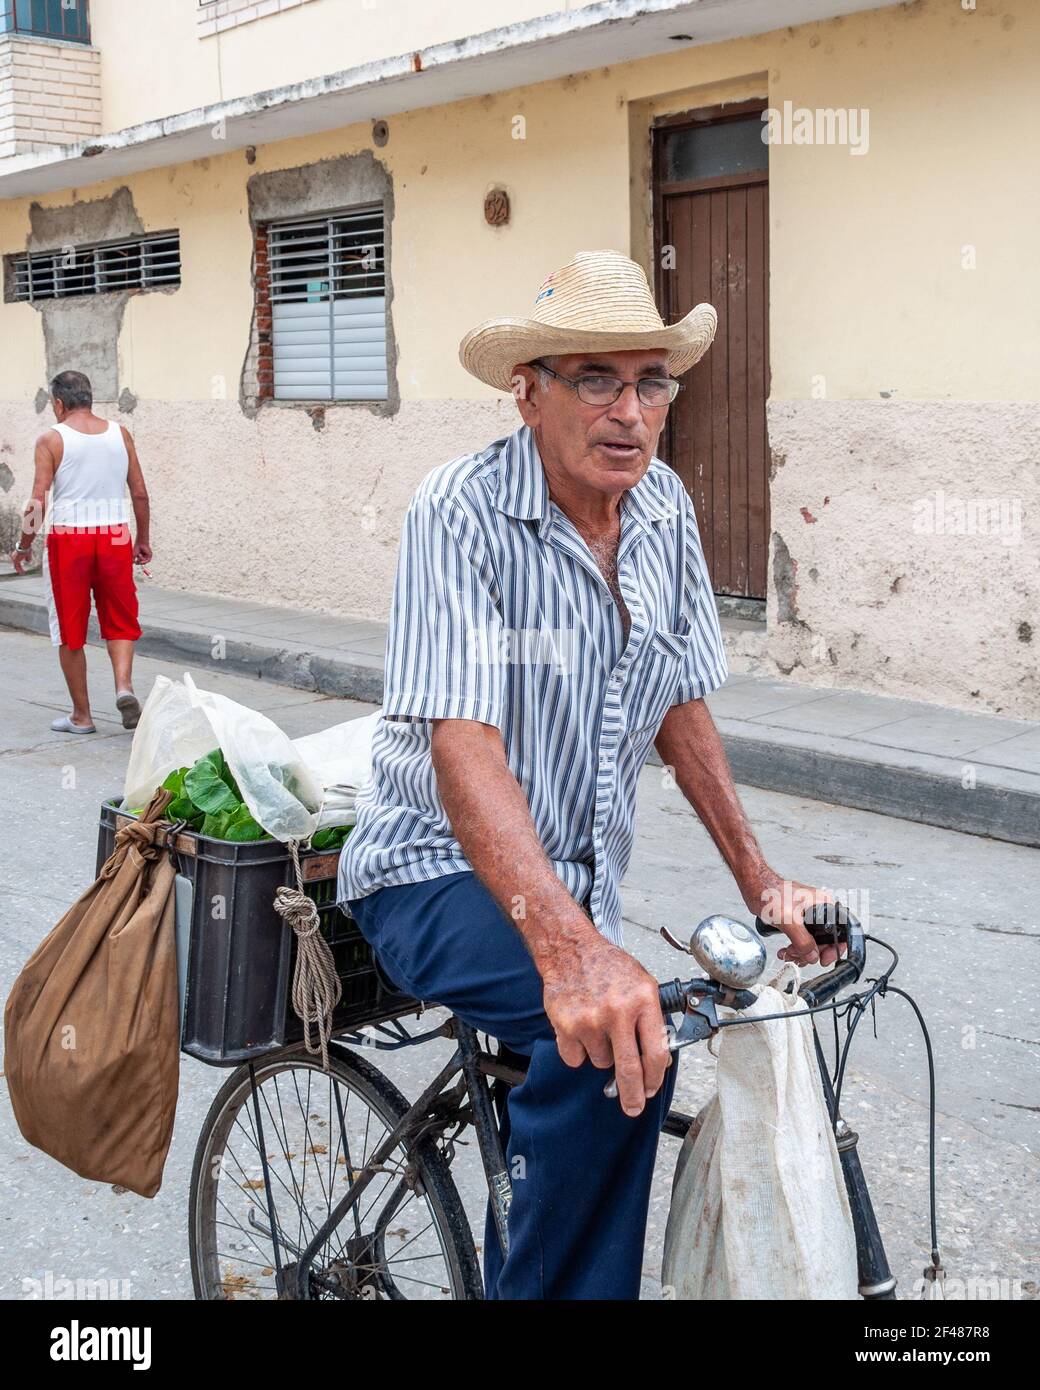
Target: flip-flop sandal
129,706
64,725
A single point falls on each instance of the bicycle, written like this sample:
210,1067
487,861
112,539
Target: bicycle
411,1238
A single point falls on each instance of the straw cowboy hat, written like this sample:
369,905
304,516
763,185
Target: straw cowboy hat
599,301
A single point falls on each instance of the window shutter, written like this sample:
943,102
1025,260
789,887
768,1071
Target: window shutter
328,307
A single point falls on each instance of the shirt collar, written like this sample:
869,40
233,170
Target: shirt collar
523,492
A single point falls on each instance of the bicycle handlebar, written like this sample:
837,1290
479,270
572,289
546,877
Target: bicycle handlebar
827,923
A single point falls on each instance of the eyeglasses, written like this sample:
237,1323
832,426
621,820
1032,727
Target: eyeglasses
604,390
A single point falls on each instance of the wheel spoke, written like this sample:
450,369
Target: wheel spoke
353,1261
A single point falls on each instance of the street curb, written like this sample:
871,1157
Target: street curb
286,664
927,790
930,797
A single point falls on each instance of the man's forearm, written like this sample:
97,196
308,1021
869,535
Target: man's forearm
689,742
492,822
142,519
32,521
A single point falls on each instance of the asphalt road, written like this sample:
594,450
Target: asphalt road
961,911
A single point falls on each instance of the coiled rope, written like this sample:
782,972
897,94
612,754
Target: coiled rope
316,988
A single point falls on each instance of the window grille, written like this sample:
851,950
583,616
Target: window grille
147,263
328,306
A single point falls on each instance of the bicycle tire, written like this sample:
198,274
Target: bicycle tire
387,1103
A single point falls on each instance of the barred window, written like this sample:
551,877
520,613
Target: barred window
328,306
147,263
52,19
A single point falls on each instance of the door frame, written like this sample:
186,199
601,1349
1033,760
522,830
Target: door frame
717,114
660,189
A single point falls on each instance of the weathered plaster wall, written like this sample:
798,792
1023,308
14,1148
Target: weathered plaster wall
82,334
888,573
869,293
173,63
274,510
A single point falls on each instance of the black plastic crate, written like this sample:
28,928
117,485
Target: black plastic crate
241,956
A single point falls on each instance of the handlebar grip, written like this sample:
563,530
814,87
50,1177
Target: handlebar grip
823,988
819,922
673,997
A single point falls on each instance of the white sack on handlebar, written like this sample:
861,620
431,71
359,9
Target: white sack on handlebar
759,1207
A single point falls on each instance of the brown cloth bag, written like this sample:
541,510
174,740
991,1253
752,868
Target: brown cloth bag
92,1028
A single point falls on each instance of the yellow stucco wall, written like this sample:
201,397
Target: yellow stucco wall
165,66
867,292
868,295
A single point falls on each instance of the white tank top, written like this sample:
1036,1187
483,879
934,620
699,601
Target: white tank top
89,487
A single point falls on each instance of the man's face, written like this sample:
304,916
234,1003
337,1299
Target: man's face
604,447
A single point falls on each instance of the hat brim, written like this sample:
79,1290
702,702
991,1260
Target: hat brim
492,349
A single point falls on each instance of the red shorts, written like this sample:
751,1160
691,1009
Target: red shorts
79,562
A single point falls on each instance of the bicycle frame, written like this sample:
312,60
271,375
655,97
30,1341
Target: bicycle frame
443,1104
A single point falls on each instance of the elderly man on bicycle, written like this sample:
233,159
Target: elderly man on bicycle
552,620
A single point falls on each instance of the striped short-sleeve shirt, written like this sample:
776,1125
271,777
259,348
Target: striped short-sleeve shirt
500,614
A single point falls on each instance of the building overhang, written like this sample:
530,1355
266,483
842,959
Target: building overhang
515,55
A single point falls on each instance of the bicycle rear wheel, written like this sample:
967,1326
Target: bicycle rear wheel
406,1238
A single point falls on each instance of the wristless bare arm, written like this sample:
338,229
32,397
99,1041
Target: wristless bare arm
43,477
139,501
36,507
600,1001
689,743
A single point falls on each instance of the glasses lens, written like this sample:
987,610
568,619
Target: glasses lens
604,390
599,390
657,391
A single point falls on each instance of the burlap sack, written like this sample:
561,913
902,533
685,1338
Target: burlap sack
91,1028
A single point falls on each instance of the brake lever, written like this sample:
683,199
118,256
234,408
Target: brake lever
700,1020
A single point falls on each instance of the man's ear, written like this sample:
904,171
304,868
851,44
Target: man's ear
524,383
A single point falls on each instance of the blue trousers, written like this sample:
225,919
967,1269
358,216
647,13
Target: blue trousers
580,1167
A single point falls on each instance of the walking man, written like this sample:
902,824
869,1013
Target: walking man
552,620
87,463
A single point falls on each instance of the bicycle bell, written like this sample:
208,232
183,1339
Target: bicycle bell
728,951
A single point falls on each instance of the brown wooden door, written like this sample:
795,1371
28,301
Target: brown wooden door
711,242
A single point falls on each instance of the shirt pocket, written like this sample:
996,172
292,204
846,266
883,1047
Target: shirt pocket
655,682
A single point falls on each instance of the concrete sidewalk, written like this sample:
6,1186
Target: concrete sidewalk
898,757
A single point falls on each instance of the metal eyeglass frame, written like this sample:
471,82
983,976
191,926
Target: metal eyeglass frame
575,384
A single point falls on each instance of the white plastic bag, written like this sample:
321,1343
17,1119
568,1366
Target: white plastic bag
171,733
282,793
341,760
181,723
759,1208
